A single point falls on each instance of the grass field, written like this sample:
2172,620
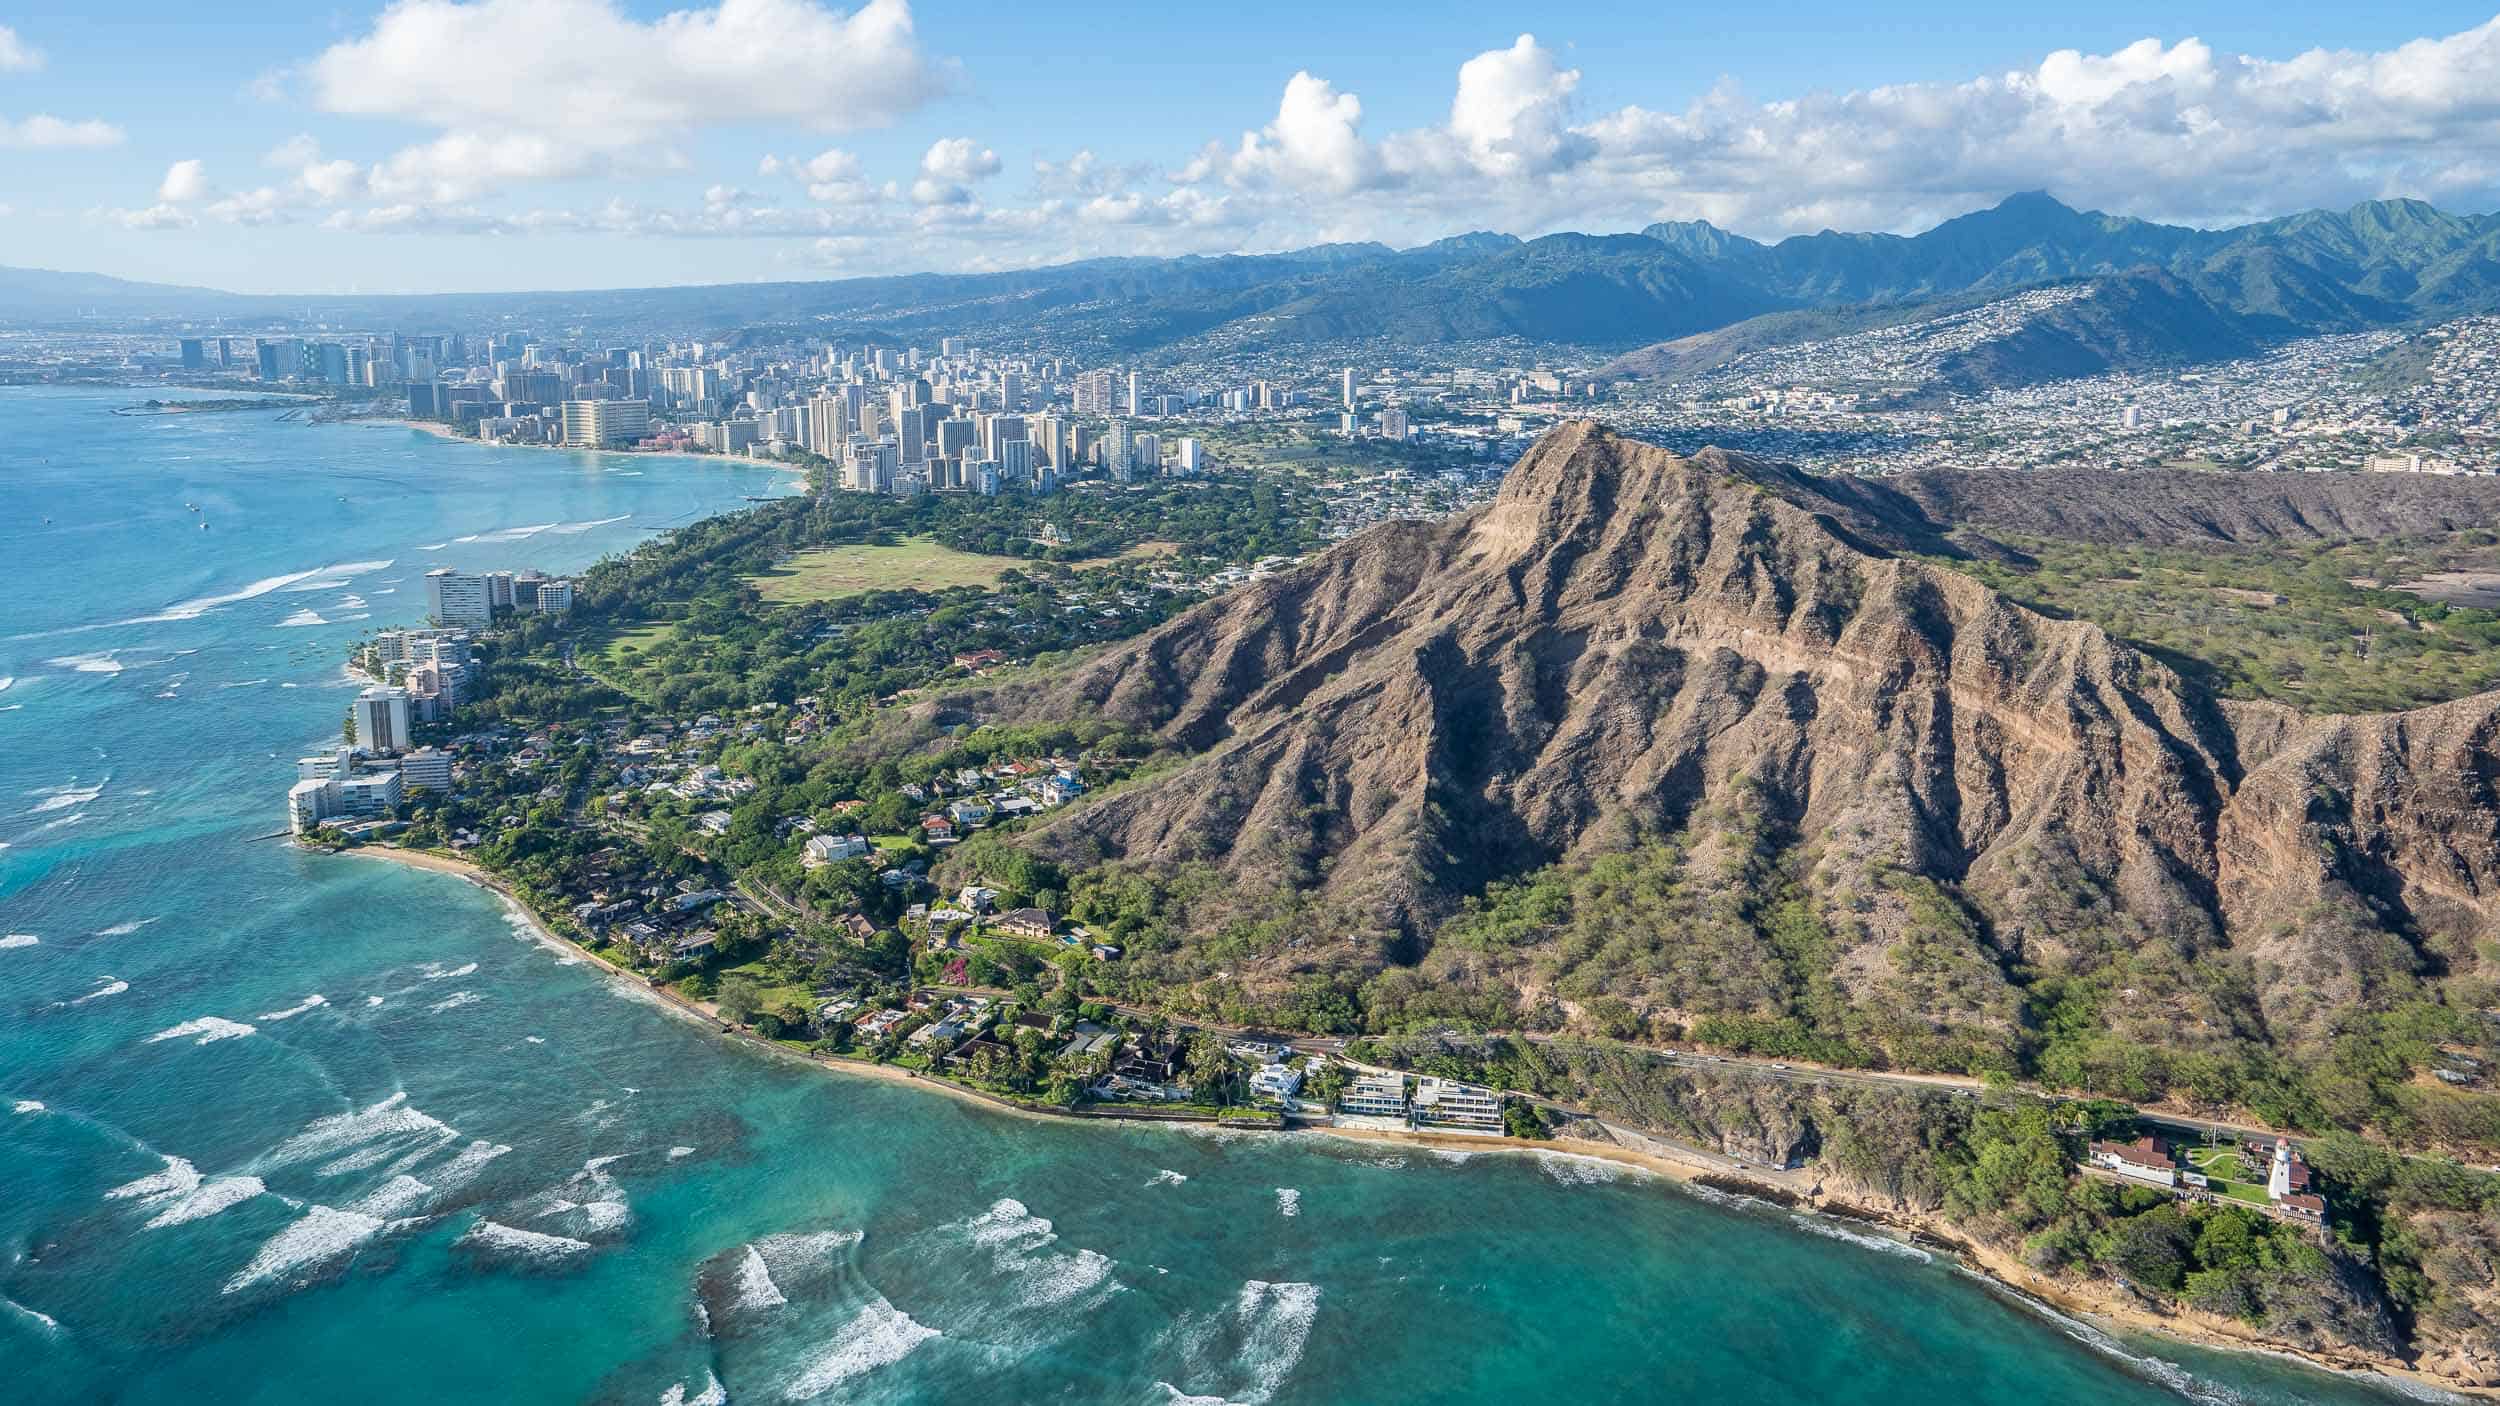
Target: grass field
915,563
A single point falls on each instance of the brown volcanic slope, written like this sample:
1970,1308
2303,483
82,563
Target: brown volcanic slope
1626,643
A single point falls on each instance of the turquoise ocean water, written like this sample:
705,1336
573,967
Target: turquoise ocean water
283,1128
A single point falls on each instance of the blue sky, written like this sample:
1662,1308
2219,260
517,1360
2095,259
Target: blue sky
456,144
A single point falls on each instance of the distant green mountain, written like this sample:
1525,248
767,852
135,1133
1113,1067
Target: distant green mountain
2168,293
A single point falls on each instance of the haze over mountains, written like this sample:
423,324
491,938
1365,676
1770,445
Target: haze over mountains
2158,291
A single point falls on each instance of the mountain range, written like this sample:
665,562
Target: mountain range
2158,291
1701,739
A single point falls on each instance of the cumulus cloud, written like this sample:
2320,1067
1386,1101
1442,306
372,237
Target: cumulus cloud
2165,128
1511,115
184,181
949,169
16,55
43,131
527,91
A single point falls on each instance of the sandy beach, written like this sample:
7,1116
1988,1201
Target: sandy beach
2104,1306
442,431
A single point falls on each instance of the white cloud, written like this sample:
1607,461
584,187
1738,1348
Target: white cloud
1511,115
2168,128
949,169
526,91
1316,142
43,131
157,216
185,181
16,55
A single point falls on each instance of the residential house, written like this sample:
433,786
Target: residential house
2147,1159
833,849
1035,923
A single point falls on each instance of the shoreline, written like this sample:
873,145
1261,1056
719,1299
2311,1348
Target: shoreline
2097,1306
445,432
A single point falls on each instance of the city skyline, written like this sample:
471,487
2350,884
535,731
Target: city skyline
507,144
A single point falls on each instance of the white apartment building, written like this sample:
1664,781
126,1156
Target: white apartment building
1374,1096
1446,1103
426,769
382,721
455,598
593,424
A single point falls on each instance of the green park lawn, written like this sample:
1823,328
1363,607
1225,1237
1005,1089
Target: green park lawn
914,563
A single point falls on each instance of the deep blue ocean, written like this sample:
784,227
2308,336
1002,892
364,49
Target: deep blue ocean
278,1128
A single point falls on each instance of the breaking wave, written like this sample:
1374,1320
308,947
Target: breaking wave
1288,1201
206,1030
323,1234
19,939
312,1002
878,1336
531,1245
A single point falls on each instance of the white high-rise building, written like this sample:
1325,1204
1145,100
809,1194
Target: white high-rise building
1346,387
1136,394
454,598
382,720
1192,456
594,424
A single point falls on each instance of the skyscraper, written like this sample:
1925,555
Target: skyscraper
382,719
454,598
1346,387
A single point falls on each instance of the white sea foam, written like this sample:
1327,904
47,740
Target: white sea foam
326,1137
19,939
435,971
27,1106
300,619
467,1163
50,1325
207,1199
878,1336
713,1394
322,1234
2168,1374
105,986
176,1178
528,1244
64,797
1288,1201
124,929
603,1217
100,662
532,1040
243,683
371,1001
676,1152
1573,1170
195,608
396,1197
456,1000
206,1030
311,1002
1833,1230
568,529
362,1159
5,681
1019,1245
1167,1177
756,1289
507,534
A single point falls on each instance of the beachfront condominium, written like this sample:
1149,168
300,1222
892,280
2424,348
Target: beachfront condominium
1374,1096
596,424
1446,1103
456,598
382,720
